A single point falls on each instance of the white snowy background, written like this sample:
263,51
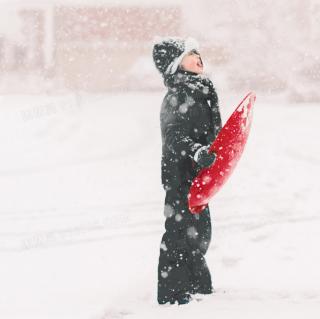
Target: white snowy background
81,205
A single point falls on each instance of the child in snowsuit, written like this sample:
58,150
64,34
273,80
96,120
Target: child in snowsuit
190,121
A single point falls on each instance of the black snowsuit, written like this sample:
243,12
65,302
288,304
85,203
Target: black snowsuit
190,118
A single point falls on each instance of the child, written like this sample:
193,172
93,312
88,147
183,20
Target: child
190,121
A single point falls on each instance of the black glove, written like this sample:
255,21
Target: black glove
203,158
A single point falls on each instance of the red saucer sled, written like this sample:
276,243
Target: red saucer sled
228,146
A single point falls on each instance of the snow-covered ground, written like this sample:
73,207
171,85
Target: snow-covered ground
81,212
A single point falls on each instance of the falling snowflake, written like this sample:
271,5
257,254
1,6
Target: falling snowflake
163,246
168,211
192,232
183,108
173,101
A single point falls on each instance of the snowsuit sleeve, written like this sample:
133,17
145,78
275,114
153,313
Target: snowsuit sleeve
178,141
177,133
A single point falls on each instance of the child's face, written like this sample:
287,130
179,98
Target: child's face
192,62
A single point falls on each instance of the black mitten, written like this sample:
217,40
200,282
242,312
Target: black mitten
203,158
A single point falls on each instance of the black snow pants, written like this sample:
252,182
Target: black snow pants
182,267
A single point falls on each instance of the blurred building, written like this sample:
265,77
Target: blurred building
91,48
104,45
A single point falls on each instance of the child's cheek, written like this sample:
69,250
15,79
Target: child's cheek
195,65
